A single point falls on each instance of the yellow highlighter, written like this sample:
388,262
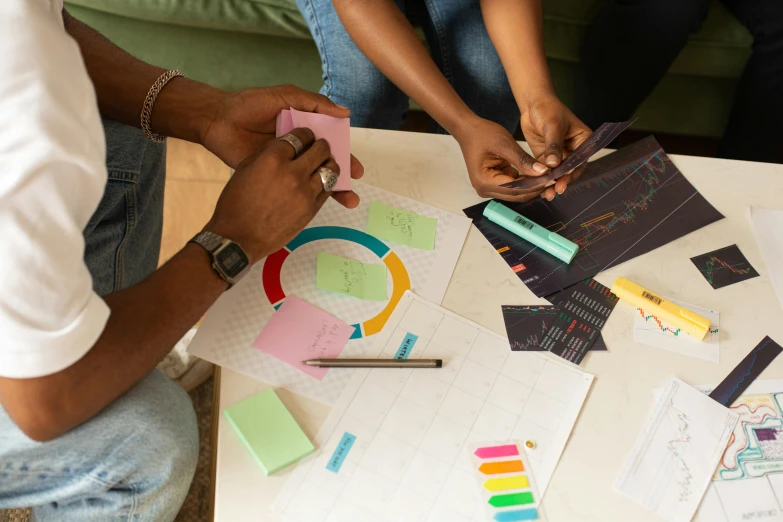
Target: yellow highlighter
691,323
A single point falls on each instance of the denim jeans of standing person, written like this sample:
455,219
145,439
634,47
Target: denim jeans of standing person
459,45
135,460
631,44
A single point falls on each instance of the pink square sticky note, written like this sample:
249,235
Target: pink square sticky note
336,131
298,331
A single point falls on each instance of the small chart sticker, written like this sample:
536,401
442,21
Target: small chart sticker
724,267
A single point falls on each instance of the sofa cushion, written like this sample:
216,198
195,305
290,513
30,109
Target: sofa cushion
719,50
268,17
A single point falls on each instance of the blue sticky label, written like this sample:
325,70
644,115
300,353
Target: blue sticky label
406,346
341,452
516,515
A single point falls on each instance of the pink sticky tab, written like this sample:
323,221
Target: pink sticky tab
337,132
298,331
491,452
284,123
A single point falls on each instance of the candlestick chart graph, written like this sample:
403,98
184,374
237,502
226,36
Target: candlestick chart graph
626,204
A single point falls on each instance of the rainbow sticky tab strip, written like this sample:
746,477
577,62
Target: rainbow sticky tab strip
508,487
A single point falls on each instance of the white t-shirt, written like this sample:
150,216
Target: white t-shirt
52,177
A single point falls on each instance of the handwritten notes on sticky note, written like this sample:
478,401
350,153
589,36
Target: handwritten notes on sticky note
346,276
298,331
402,226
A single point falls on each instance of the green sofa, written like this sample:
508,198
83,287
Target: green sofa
239,43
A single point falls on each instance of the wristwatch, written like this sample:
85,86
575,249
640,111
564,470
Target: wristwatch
228,258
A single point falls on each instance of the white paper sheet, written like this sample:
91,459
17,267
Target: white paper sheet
413,428
652,331
672,462
226,335
749,479
768,226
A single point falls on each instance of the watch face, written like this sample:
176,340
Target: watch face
232,260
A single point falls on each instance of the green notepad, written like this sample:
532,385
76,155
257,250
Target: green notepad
269,431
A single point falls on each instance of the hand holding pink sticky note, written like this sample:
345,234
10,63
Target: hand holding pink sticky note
298,331
336,131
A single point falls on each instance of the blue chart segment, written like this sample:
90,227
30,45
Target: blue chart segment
746,372
626,204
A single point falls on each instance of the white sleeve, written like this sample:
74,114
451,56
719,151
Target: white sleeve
52,177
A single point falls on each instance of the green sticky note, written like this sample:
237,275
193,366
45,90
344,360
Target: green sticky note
346,276
269,431
401,226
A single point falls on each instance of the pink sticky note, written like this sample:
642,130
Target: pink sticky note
284,123
490,452
298,331
336,131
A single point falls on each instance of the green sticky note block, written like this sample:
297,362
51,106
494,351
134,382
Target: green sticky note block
269,431
346,276
401,226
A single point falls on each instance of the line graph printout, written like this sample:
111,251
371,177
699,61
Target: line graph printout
411,432
746,372
724,267
625,205
672,462
652,331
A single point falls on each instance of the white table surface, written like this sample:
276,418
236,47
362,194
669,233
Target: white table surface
430,168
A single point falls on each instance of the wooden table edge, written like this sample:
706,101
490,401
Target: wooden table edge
214,443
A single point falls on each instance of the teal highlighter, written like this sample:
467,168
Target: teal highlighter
547,241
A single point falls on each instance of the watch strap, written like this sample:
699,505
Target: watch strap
209,240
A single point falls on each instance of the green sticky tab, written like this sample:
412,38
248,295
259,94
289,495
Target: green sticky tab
269,431
346,276
401,226
512,499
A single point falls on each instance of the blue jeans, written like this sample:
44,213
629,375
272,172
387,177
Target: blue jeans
459,44
136,458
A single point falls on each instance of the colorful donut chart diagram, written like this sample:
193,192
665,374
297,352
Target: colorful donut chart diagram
401,281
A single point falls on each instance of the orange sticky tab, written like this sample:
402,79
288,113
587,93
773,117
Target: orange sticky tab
503,466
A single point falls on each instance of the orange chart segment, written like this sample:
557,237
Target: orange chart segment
401,283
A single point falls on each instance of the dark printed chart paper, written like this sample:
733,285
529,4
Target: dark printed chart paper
625,205
580,318
558,297
603,136
526,326
724,267
746,372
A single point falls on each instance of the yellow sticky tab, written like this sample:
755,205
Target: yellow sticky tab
499,484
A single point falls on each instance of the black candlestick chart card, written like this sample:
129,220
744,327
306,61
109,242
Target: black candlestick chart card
526,326
724,267
625,205
599,139
596,291
746,372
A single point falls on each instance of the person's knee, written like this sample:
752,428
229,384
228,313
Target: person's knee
163,439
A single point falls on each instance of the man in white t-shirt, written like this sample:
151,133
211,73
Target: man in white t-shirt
88,429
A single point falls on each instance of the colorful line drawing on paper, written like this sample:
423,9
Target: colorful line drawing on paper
274,265
749,478
625,205
724,267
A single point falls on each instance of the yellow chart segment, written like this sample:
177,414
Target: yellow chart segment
599,218
500,484
400,283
